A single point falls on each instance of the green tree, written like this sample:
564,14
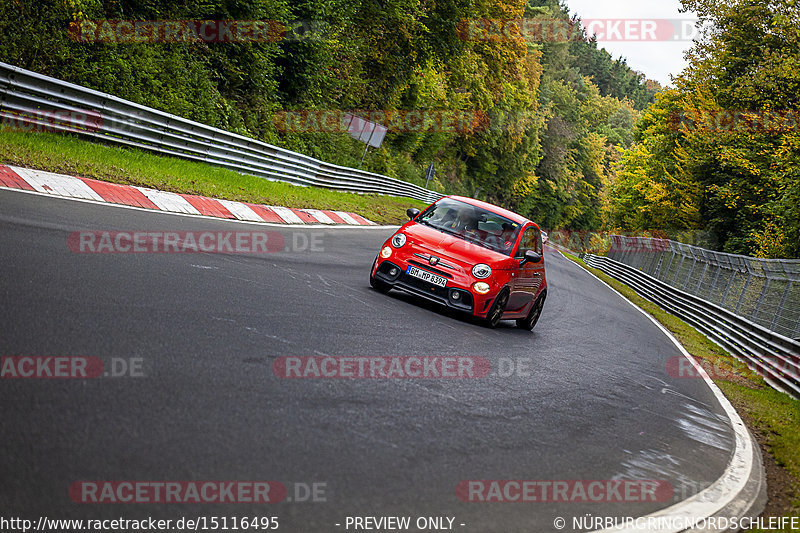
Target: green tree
726,139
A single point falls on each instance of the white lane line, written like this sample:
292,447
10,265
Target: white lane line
241,211
727,487
57,184
287,214
169,201
347,218
320,216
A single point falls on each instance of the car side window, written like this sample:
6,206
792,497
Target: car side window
530,240
525,243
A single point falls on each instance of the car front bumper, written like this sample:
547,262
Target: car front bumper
454,296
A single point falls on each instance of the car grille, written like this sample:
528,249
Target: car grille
417,283
441,263
431,269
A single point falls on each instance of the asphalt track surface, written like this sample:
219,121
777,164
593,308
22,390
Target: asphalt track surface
592,400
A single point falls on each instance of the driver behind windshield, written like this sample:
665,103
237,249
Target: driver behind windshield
467,221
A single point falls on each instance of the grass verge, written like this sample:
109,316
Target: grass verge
773,417
67,154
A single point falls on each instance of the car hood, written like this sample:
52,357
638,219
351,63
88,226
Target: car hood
451,247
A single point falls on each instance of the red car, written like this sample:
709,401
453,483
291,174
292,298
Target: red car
467,255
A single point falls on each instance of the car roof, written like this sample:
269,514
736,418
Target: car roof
493,208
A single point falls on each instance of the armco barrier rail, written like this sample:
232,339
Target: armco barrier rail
32,100
765,291
773,356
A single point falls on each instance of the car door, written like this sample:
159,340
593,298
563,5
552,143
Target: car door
528,278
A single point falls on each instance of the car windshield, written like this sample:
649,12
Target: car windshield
472,224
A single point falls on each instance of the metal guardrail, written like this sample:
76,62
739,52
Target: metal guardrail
765,291
773,356
32,100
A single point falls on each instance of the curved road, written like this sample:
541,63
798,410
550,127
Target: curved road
588,396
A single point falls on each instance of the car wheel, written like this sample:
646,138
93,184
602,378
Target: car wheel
378,285
497,308
533,316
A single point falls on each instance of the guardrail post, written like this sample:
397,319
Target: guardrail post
678,271
728,287
779,312
658,265
757,307
714,283
700,281
689,275
744,290
796,334
644,254
653,257
207,153
666,270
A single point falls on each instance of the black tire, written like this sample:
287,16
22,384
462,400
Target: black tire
378,285
533,316
496,310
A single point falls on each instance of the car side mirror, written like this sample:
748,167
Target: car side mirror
412,213
530,257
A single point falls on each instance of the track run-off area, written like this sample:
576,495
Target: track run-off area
583,416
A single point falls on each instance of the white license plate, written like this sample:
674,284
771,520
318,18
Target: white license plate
424,275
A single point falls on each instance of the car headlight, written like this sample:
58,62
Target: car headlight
481,287
481,271
386,253
398,240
